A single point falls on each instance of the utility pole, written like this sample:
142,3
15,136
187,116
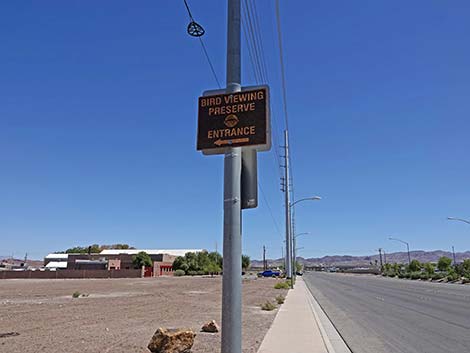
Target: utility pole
408,250
282,256
381,263
453,254
294,255
287,204
264,258
232,247
294,244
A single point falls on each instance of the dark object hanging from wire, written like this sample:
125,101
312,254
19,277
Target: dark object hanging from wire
194,29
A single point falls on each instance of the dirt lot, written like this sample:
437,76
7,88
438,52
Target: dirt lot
121,315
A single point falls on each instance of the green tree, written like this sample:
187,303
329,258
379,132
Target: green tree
180,264
429,268
212,268
298,266
141,259
116,246
76,250
246,262
191,260
216,258
444,263
95,248
202,260
396,268
466,265
414,266
466,268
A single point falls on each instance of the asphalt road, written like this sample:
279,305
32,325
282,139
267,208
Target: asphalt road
385,315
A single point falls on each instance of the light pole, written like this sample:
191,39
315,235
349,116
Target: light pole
295,249
313,198
292,237
299,234
407,247
231,340
458,219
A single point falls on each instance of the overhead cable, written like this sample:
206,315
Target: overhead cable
194,29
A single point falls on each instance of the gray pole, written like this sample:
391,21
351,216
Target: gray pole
292,236
282,256
294,262
288,208
264,258
409,257
407,247
232,247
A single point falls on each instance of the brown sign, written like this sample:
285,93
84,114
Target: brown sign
233,120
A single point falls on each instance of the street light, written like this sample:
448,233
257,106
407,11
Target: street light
458,219
295,249
313,198
292,237
407,247
298,235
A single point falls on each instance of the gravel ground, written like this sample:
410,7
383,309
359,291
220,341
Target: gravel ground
121,315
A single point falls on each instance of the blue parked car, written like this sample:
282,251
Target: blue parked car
269,273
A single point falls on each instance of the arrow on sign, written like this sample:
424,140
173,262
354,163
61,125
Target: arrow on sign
230,142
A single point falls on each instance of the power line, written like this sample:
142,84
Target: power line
269,208
259,36
254,67
256,59
189,11
281,57
253,39
249,32
196,30
210,62
283,83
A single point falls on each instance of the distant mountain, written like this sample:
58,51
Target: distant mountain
30,263
348,260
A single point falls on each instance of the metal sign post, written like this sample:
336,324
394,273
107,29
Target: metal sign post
234,122
232,250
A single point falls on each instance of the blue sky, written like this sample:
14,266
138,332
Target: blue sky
98,109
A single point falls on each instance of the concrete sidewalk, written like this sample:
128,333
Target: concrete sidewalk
298,326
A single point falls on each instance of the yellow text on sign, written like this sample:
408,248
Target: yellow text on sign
235,132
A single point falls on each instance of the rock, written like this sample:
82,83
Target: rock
172,340
211,326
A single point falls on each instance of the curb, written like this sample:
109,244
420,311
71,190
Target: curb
333,341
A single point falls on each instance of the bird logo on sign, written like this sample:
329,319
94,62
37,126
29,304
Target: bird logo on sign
231,120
